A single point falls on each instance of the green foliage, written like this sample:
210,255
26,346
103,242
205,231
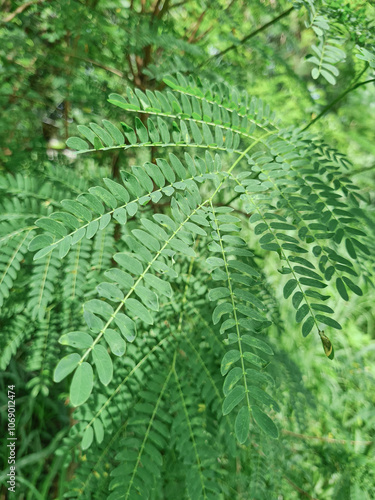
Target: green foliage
186,280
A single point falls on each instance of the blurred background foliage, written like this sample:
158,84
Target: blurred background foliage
58,63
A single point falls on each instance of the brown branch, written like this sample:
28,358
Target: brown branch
155,8
297,488
20,9
325,439
100,65
163,10
178,4
202,35
196,27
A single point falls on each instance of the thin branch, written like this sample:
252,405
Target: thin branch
361,170
196,27
164,9
100,65
297,488
202,35
178,4
325,439
338,98
20,9
251,35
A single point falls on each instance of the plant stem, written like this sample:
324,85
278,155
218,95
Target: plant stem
251,35
338,98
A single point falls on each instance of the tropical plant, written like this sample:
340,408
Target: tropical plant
148,294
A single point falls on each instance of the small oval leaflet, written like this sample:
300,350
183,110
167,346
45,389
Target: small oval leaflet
82,383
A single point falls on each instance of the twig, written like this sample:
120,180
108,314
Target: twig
196,27
251,35
297,488
338,98
100,65
325,439
178,4
361,170
20,9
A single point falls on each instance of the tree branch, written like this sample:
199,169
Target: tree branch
248,37
196,27
100,65
338,98
20,9
297,488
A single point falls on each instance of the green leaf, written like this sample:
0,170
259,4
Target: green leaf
115,342
40,241
88,133
263,397
117,190
137,309
307,326
126,326
289,288
242,424
129,133
65,366
233,399
87,438
110,291
328,76
223,308
231,379
100,307
93,322
264,422
92,229
99,430
120,277
64,246
104,195
146,239
103,364
254,359
197,136
218,293
52,226
354,288
114,131
257,343
328,321
181,247
229,358
77,143
129,263
80,340
77,209
342,289
141,130
82,384
158,284
301,313
102,134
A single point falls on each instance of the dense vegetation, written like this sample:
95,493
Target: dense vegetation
187,248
